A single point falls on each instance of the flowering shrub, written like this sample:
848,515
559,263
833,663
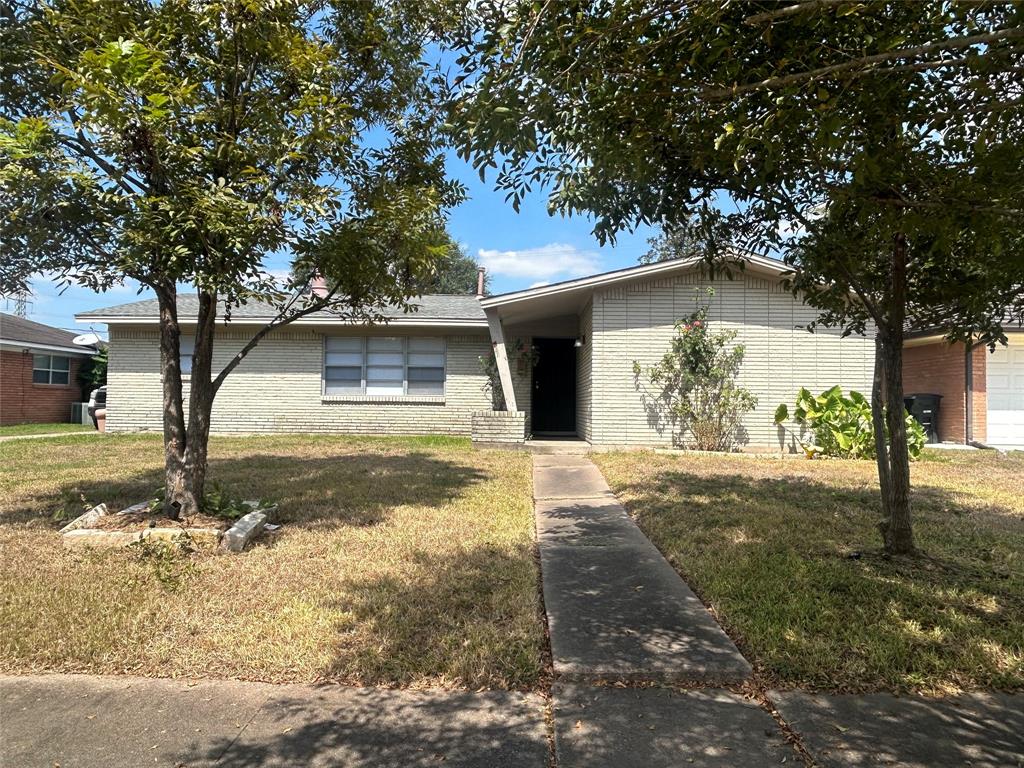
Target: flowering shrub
841,426
697,383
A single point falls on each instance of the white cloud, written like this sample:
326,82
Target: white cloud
541,264
540,284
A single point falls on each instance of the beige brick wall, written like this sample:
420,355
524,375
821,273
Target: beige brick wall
584,373
635,322
277,388
499,426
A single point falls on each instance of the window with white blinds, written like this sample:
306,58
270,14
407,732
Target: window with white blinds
383,366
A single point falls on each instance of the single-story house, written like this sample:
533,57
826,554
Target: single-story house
38,371
982,391
564,353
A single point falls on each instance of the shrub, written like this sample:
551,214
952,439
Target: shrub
840,425
520,354
697,379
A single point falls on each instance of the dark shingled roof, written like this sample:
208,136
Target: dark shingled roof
428,307
14,328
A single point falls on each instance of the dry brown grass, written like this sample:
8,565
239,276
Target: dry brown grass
787,554
401,562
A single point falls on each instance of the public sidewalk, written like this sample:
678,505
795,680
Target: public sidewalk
80,721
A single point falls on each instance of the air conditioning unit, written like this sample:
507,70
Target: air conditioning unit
80,413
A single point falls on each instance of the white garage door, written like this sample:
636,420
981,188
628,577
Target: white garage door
1005,378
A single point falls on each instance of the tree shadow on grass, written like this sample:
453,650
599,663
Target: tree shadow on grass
344,489
794,569
466,616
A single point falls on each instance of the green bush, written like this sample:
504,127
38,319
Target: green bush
697,379
840,425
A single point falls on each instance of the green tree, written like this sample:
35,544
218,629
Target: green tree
875,147
674,243
181,143
456,273
93,372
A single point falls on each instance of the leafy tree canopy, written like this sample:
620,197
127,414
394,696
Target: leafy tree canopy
736,119
183,142
456,272
675,243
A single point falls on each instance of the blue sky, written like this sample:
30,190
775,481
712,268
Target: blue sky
518,249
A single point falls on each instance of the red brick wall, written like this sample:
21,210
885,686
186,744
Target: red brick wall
22,401
939,368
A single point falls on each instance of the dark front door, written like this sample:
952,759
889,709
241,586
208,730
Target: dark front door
554,386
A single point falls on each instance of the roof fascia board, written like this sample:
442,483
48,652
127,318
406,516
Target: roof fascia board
15,344
609,278
410,322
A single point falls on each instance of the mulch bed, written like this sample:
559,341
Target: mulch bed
137,521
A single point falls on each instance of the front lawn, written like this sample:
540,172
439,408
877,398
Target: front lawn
43,429
787,555
401,562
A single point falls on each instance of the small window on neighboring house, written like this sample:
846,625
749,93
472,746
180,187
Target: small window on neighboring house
51,369
186,347
383,366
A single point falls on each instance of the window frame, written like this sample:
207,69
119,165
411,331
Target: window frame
50,370
364,353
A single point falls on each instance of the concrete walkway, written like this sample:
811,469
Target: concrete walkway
616,609
77,721
618,612
980,730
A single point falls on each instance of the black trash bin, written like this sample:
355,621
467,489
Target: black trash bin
925,408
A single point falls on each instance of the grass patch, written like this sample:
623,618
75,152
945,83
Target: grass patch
15,430
401,562
787,555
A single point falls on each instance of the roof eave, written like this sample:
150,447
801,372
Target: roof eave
618,276
403,321
18,343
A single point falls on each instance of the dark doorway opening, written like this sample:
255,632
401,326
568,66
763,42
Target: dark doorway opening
553,409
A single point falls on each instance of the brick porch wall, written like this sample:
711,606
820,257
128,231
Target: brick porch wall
939,368
22,402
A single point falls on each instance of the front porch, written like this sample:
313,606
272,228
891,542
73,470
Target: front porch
543,358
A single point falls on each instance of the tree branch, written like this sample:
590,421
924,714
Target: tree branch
283,318
865,62
83,148
793,10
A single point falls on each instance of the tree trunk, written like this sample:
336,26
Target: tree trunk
897,531
878,422
201,394
178,497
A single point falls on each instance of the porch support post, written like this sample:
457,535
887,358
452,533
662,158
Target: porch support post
501,357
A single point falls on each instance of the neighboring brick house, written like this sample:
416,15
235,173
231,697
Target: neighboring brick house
982,393
38,372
